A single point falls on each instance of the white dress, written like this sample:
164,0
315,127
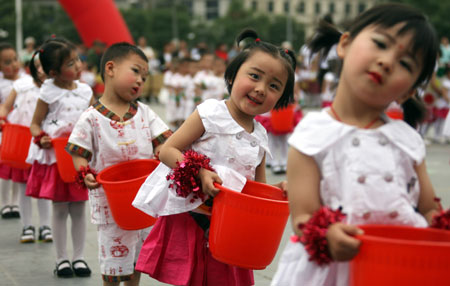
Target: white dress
64,108
368,172
104,140
234,154
25,103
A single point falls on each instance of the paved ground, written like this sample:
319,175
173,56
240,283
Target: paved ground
33,264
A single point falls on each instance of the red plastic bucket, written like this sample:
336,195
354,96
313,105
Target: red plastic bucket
121,183
16,141
282,120
246,228
64,161
400,255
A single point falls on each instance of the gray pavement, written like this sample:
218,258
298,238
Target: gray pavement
33,264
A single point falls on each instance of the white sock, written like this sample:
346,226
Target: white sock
25,205
44,211
15,193
5,189
59,225
78,216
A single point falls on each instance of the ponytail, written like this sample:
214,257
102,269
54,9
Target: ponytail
325,37
33,69
413,111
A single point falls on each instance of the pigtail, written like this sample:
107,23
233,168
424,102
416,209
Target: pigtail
413,111
245,34
33,69
325,37
292,58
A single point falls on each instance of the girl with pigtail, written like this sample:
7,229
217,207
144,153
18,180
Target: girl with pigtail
350,164
61,101
224,134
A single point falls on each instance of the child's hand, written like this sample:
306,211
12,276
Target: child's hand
91,182
283,186
208,178
46,142
342,245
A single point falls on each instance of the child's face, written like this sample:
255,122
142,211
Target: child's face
129,76
9,64
259,84
379,66
41,74
70,69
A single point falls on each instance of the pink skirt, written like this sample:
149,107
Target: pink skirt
440,112
176,252
16,175
44,182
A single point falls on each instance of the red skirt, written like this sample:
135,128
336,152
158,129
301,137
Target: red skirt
176,252
16,175
44,182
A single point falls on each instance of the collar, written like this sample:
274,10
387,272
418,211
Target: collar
111,115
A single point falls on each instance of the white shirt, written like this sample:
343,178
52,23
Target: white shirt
234,154
64,108
25,103
106,142
368,172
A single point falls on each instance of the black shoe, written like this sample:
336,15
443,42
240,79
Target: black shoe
6,212
81,271
15,213
27,235
45,234
63,269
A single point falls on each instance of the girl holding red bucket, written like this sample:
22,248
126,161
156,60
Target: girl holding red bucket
115,129
61,100
9,67
23,99
176,251
350,164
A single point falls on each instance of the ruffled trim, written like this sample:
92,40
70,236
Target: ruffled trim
51,93
216,118
24,84
318,131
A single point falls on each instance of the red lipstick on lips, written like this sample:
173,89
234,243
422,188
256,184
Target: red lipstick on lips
376,77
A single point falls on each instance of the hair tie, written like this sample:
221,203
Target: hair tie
257,40
286,51
41,51
53,36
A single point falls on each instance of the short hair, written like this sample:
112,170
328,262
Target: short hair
117,52
286,56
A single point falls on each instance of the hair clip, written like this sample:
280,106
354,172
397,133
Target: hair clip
53,36
286,51
257,40
41,51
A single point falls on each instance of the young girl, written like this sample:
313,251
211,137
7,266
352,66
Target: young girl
176,251
10,68
61,100
351,157
22,101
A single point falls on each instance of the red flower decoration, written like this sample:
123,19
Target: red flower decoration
314,234
82,173
442,220
185,175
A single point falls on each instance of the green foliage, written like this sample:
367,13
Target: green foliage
8,21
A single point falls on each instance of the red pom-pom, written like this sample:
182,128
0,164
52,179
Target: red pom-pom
442,220
37,139
314,234
82,173
185,175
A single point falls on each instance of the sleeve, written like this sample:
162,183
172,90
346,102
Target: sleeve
81,139
48,92
158,129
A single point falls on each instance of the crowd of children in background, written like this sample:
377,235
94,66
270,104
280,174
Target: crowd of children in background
66,79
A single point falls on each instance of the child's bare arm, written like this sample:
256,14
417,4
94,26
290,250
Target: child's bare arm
304,199
39,115
89,180
6,107
428,207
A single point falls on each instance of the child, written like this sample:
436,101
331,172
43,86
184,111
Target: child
61,100
9,67
351,157
115,129
176,251
23,98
